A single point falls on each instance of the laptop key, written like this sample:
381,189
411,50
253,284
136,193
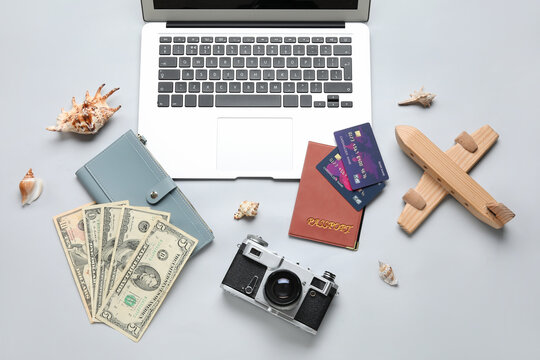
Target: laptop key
178,49
192,49
248,39
167,62
299,50
221,39
332,62
214,74
290,100
285,50
271,49
302,87
232,49
309,75
282,75
194,87
180,87
218,50
225,62
319,104
201,74
235,39
254,74
248,100
269,74
177,100
163,101
279,62
305,101
169,75
198,62
315,87
333,104
346,104
241,74
326,50
338,87
262,87
193,39
303,39
322,75
205,49
295,74
184,62
265,62
228,74
342,50
317,39
292,62
245,49
207,39
331,39
346,65
207,87
318,62
190,101
288,87
206,100
165,87
275,87
235,87
252,62
290,39
262,39
335,75
238,62
188,74
165,39
305,62
248,87
221,87
179,39
164,49
211,62
345,40
312,50
276,39
258,49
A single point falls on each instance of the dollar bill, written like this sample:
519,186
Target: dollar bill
147,279
70,228
92,229
134,224
110,221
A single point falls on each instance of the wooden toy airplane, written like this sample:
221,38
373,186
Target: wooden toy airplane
446,172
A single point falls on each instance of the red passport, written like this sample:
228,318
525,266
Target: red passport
320,212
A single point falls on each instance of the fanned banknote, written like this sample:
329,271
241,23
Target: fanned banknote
134,224
110,220
146,280
70,228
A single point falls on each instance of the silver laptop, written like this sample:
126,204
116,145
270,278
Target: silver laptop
237,88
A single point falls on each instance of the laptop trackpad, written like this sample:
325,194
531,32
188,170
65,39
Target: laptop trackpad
254,144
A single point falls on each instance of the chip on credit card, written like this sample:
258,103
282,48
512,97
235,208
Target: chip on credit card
361,156
331,167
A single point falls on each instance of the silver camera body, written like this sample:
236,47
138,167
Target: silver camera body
279,286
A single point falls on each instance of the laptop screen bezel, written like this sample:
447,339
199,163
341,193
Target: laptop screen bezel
152,14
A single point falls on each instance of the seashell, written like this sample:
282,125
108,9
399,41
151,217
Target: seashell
88,117
30,188
246,208
387,274
419,97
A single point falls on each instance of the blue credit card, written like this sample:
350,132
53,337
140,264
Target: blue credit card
331,167
361,156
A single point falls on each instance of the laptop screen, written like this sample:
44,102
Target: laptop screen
257,4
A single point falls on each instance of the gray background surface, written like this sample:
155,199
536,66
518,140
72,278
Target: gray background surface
466,291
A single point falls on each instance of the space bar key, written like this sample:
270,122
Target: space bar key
248,100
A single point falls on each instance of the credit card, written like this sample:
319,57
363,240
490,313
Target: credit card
361,156
331,167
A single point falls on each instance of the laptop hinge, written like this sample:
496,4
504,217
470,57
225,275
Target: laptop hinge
256,24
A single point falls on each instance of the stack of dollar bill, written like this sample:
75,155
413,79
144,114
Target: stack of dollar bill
124,260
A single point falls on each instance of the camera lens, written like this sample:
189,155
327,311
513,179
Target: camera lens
283,288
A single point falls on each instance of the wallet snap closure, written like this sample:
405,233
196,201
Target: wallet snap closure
160,190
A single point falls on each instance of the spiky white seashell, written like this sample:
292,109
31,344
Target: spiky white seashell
419,97
88,117
246,208
30,187
387,274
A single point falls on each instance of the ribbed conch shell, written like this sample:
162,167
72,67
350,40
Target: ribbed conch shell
246,208
419,97
88,117
30,188
387,274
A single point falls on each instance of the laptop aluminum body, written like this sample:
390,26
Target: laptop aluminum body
232,142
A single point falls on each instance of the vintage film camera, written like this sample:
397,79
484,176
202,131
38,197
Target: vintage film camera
279,286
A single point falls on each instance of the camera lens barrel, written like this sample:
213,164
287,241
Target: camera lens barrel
283,288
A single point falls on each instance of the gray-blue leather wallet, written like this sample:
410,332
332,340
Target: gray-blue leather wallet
127,171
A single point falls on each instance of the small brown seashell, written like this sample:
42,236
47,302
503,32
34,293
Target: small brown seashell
88,117
246,208
30,188
419,97
387,274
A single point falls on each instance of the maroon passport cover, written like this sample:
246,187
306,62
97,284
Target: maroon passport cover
320,212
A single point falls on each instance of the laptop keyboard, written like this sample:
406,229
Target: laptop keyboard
259,71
